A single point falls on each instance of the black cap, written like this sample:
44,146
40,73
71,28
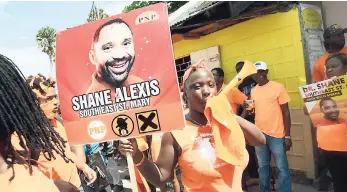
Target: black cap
333,30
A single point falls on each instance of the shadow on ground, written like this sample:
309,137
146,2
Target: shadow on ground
296,188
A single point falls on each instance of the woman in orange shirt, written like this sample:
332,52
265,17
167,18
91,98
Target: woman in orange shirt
332,130
210,151
336,65
20,113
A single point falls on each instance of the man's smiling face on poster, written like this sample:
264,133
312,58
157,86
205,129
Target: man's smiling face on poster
113,52
329,107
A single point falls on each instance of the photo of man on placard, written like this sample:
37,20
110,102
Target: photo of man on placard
113,54
331,112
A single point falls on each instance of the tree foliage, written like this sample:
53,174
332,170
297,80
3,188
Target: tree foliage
45,40
96,14
172,5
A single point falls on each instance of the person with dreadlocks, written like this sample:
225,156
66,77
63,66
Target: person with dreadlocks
56,169
20,113
210,150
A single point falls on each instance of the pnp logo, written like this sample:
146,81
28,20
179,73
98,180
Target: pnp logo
146,17
97,130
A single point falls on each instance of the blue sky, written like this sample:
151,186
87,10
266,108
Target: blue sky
20,22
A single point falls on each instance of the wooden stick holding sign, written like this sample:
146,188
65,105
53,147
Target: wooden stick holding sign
131,167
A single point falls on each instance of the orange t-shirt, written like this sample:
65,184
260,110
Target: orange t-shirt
201,169
59,169
268,114
56,169
235,97
332,136
318,73
24,181
325,122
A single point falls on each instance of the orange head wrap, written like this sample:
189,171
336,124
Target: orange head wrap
192,68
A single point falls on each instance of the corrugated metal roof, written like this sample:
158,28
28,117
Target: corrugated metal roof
189,10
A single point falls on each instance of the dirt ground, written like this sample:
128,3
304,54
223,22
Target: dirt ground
295,188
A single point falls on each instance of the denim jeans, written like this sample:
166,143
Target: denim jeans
274,146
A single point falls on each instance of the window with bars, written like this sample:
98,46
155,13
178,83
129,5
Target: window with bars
182,65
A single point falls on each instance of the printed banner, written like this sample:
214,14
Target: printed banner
326,101
117,77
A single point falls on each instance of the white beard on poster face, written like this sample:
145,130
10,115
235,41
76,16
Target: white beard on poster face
207,151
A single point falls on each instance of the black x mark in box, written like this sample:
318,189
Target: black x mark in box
148,121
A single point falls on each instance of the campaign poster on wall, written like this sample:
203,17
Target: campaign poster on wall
326,101
117,77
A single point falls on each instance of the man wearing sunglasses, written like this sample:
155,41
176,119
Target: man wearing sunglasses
334,42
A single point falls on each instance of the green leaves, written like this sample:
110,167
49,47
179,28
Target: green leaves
172,5
96,14
45,40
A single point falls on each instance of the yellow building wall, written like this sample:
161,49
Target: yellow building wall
274,39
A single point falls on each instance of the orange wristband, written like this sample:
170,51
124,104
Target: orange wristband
142,160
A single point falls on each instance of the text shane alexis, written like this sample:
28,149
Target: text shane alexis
127,97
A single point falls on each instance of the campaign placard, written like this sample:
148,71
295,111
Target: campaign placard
326,101
117,77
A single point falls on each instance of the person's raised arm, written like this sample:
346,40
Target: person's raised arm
159,172
253,135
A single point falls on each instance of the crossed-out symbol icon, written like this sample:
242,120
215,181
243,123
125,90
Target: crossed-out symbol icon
148,121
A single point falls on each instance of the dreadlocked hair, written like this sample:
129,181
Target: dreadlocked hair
20,112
